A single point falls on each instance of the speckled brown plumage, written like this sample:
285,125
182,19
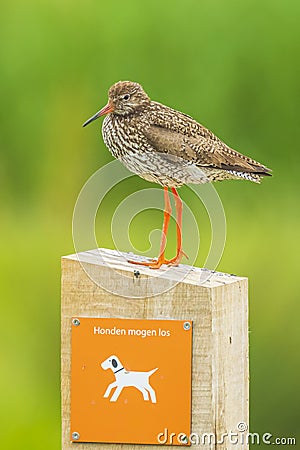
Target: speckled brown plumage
166,146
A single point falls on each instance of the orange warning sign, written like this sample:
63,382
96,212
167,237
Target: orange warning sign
131,381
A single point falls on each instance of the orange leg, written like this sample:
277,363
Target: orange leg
157,263
167,216
180,253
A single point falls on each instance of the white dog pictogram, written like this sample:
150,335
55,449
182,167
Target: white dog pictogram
124,378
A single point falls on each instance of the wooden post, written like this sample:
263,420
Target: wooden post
217,304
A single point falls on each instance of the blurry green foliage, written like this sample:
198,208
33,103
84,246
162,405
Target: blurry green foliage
232,65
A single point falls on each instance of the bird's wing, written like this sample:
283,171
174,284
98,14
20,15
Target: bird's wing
191,141
171,119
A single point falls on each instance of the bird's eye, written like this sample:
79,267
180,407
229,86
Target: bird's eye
126,97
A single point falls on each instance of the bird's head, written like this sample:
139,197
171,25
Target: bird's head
124,98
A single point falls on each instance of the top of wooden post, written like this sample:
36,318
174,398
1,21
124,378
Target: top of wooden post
117,260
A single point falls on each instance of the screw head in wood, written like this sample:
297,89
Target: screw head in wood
187,326
75,436
76,322
183,439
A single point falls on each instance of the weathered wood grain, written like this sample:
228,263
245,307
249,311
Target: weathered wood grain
218,305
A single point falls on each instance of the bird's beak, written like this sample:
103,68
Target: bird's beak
107,109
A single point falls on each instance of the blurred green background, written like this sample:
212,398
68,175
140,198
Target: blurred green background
232,65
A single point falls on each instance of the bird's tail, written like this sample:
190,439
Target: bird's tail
251,176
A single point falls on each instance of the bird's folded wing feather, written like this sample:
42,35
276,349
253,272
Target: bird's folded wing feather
189,140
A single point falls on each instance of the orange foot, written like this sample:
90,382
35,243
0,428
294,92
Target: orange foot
157,263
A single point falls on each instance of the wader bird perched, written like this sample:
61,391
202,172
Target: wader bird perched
168,147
